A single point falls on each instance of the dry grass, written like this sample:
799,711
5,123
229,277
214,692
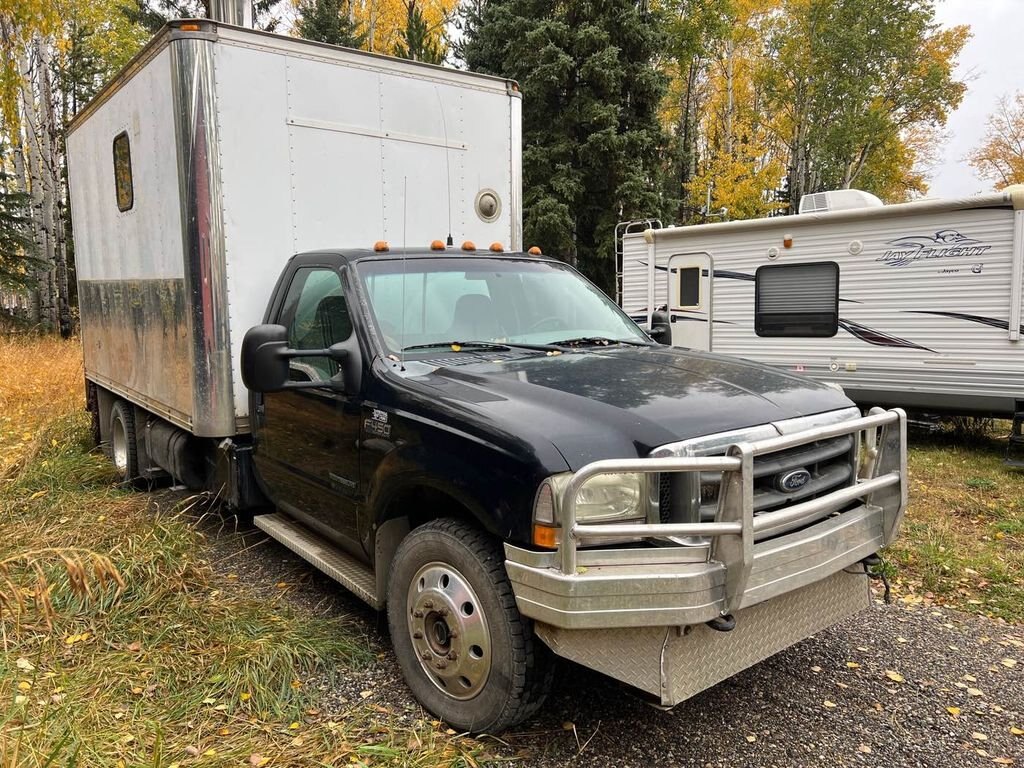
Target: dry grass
40,376
962,541
164,665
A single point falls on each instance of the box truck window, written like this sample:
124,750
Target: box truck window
797,299
123,172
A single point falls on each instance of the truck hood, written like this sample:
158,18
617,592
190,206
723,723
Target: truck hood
626,401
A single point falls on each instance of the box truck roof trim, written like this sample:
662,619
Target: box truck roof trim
204,29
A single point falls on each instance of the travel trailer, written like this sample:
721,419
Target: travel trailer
916,305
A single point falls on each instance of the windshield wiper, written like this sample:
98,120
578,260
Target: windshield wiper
482,345
597,341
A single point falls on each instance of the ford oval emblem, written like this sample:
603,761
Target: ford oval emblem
789,482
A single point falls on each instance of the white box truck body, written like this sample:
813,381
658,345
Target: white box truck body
927,314
220,151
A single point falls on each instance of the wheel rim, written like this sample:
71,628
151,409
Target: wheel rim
449,630
119,445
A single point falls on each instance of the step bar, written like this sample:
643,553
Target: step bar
351,573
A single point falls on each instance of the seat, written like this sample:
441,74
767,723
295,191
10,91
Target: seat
474,319
333,319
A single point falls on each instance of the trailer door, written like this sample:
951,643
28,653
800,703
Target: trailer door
689,299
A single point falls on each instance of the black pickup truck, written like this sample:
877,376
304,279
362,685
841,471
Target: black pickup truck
486,446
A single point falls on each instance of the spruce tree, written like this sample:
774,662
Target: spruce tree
327,21
418,42
591,133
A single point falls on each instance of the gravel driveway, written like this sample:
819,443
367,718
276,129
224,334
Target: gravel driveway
900,685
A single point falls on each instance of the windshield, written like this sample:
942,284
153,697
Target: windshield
438,301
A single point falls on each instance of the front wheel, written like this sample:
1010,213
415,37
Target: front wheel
465,651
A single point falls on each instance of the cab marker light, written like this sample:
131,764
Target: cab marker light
469,245
381,246
535,251
437,245
497,247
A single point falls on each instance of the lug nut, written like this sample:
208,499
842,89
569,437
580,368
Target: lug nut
425,655
452,656
417,614
453,633
428,604
442,664
417,635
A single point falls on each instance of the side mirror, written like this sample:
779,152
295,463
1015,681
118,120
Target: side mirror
266,356
661,326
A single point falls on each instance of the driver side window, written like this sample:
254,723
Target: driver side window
316,315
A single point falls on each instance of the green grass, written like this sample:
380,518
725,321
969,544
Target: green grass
962,541
174,665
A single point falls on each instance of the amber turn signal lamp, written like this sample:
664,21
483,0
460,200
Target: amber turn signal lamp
381,246
497,247
787,241
545,536
469,245
189,27
535,251
437,245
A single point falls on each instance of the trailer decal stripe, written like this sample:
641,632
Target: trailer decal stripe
878,338
990,321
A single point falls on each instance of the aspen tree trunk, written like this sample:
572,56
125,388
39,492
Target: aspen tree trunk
37,295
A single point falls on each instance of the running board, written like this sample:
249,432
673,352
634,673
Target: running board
355,576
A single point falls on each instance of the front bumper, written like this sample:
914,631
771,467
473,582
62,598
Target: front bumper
724,570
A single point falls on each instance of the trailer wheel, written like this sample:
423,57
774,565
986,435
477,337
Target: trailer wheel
123,448
465,651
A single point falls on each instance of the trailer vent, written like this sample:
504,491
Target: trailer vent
838,200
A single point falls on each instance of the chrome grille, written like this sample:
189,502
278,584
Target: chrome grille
831,464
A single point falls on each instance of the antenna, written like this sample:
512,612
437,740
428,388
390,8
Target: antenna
405,220
447,162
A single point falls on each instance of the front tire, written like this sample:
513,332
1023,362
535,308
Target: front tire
465,651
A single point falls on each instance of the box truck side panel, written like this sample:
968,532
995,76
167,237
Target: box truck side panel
132,289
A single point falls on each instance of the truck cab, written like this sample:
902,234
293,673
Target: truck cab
486,446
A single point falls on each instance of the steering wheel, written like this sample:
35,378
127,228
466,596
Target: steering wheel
556,323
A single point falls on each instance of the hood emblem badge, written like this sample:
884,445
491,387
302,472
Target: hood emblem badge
789,482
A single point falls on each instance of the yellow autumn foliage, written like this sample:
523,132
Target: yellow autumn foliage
383,21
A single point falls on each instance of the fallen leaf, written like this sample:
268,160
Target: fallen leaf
568,725
978,736
135,647
829,704
210,752
209,701
901,639
751,738
974,692
19,699
245,696
1016,731
970,678
365,694
37,495
294,727
224,732
853,665
24,665
192,751
954,711
864,748
1002,760
256,760
1008,663
24,686
896,677
815,669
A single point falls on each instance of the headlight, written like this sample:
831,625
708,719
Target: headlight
612,497
604,498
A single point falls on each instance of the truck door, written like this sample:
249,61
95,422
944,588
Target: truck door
689,299
307,439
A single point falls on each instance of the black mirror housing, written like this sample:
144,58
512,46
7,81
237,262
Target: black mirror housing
264,358
661,328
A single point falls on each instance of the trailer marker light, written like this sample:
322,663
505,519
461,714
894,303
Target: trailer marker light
497,247
381,246
437,245
189,27
535,251
787,241
469,245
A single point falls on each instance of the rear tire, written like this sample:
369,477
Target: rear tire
123,447
465,651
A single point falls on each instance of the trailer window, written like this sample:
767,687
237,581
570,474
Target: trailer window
688,283
123,172
797,299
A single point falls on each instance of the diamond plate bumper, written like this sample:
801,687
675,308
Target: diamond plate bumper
673,664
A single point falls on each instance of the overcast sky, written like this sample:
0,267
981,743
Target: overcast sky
992,59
